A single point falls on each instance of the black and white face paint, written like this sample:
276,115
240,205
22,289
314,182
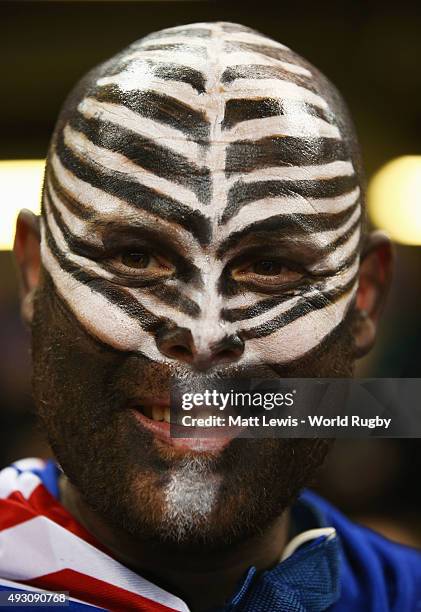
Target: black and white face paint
202,185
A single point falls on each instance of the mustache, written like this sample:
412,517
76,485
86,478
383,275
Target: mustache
137,376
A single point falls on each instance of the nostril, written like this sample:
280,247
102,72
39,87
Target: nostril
225,355
180,352
176,343
228,350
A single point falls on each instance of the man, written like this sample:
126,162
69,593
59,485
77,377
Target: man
203,218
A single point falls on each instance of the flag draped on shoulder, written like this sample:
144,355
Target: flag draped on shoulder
43,548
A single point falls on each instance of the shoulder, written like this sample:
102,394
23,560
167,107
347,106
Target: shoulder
377,575
25,475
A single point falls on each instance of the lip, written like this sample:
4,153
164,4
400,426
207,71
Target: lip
162,430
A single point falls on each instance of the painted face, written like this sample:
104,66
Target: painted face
201,191
201,216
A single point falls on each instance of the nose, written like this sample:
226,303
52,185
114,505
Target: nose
178,343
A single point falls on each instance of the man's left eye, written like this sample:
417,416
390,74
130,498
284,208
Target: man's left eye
267,274
136,259
268,267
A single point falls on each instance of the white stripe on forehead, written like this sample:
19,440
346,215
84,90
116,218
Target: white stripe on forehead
175,56
247,58
106,207
321,239
296,125
235,58
260,210
119,115
241,37
182,92
299,173
272,88
110,160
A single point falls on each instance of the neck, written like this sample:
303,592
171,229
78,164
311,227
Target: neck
187,574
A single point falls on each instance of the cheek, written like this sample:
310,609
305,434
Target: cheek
97,315
292,329
299,337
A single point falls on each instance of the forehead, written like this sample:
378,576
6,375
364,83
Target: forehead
211,128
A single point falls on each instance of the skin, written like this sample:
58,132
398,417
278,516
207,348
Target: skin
226,242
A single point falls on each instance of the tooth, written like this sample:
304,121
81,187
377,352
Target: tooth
157,413
167,415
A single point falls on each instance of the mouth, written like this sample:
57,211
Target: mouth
155,417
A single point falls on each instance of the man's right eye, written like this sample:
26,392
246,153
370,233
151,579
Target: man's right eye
140,263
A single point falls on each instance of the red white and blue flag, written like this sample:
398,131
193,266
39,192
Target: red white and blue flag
43,548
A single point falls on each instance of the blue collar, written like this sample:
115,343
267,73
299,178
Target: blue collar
307,581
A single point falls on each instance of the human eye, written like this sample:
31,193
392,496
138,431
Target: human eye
268,274
140,263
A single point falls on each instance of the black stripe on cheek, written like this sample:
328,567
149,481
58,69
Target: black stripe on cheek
238,110
147,154
116,295
248,312
249,155
242,193
345,265
304,307
159,107
134,193
72,204
293,225
174,298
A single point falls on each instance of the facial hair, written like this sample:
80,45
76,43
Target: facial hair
140,484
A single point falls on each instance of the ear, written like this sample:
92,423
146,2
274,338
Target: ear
375,277
28,258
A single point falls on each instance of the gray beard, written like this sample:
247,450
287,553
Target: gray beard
190,496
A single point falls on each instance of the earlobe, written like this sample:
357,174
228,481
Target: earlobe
28,258
374,282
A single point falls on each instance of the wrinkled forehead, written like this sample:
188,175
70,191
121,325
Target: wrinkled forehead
206,126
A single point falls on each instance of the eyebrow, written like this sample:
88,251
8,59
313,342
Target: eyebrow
290,226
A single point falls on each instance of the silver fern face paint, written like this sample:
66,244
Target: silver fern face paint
201,181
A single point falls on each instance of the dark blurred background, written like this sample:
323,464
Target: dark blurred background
371,51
